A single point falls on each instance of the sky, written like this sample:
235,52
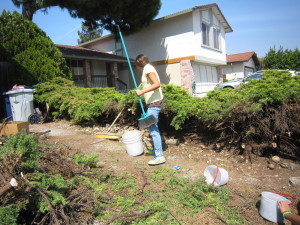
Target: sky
258,25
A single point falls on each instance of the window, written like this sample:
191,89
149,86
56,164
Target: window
76,67
205,34
216,38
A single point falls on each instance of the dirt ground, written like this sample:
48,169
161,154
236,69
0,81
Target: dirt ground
246,180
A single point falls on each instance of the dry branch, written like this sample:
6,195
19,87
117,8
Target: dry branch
145,181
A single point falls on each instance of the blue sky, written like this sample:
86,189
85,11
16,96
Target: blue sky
258,25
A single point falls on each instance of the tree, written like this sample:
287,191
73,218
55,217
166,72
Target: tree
88,34
282,59
34,56
130,15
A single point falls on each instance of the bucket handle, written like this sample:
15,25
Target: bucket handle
286,195
217,172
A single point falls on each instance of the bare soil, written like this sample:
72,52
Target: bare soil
246,180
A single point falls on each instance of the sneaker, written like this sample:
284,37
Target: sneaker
150,152
157,161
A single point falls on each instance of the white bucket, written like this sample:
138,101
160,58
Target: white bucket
133,142
215,175
269,208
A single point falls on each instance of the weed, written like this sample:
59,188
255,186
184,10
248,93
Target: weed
87,160
160,174
8,215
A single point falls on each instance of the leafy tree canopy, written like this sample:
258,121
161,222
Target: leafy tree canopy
34,56
130,15
88,34
282,59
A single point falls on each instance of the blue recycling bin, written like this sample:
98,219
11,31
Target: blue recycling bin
8,111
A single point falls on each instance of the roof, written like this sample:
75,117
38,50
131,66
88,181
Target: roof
213,6
86,53
243,57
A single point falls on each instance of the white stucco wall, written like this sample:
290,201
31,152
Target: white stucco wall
250,63
169,73
107,44
236,70
164,39
233,70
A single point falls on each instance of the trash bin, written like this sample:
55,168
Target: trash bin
21,101
7,112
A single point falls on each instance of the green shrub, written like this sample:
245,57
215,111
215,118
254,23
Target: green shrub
90,105
22,147
82,105
34,55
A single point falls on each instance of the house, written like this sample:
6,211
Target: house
187,48
92,68
240,65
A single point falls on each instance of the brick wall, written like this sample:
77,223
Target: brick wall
187,75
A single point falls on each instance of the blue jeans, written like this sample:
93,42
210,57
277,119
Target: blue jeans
154,131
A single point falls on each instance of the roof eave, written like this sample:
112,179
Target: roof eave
94,58
222,18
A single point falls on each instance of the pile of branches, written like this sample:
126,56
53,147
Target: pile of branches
274,131
26,196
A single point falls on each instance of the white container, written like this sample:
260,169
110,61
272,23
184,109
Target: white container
21,101
133,142
269,208
215,175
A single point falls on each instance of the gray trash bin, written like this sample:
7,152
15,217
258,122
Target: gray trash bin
21,101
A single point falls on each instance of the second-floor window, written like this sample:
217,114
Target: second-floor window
205,34
216,33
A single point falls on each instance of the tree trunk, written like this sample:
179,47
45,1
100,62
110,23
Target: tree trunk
28,11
